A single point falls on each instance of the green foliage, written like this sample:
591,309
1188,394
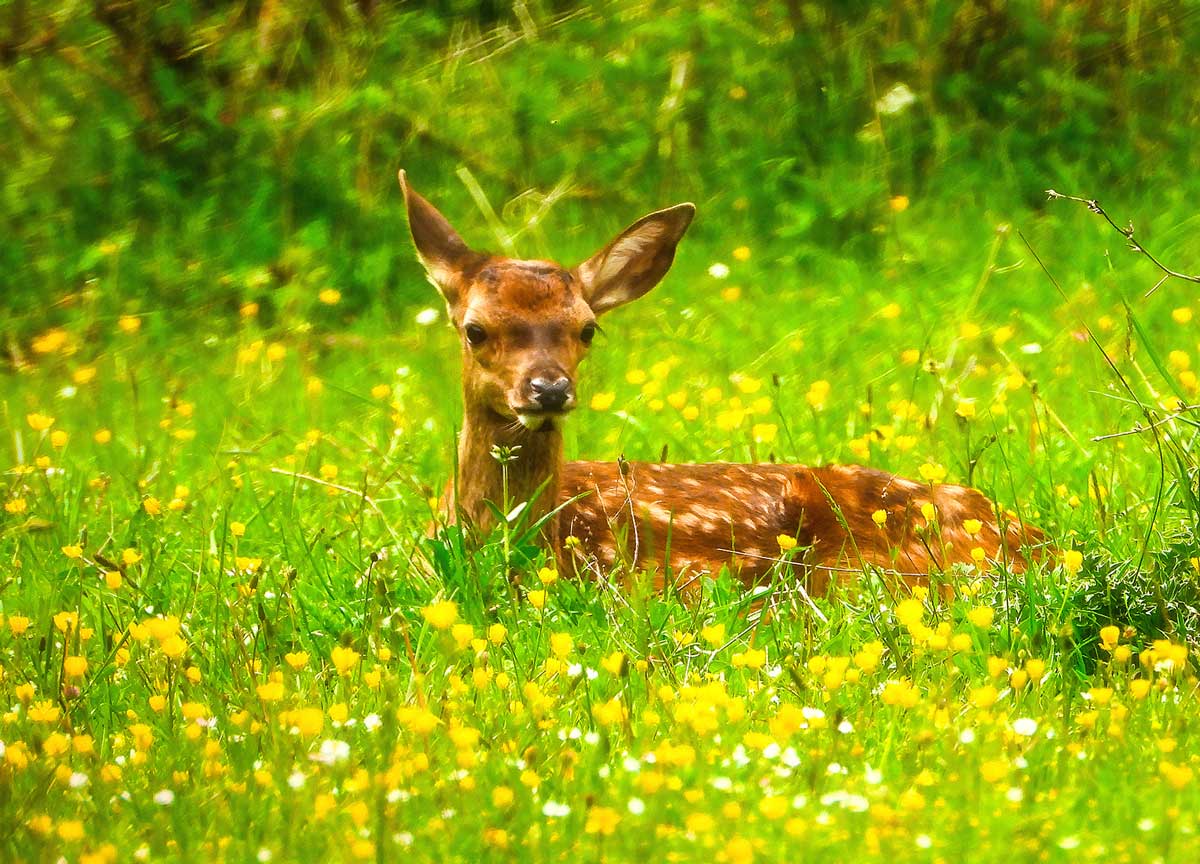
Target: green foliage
217,141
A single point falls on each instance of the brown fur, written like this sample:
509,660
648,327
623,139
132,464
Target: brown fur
678,520
699,518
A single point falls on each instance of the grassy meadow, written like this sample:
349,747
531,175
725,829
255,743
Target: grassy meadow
228,403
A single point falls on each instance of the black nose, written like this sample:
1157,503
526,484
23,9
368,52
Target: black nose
551,395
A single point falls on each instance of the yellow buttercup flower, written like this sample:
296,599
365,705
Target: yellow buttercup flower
440,615
344,659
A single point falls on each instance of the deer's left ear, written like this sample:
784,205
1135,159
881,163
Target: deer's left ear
636,260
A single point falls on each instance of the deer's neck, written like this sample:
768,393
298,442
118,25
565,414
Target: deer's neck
533,470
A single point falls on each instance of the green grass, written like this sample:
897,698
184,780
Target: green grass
219,638
718,750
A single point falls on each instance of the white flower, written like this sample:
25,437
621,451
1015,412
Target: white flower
845,727
1015,794
555,810
847,801
427,316
78,780
264,855
372,722
1025,726
924,841
1031,348
331,752
631,764
296,779
967,736
772,750
164,797
895,100
637,806
719,271
722,784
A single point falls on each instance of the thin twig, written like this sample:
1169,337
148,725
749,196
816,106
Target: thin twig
804,595
1162,474
1139,429
356,492
1094,205
321,482
829,568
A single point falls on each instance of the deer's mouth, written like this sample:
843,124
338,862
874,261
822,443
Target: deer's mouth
534,417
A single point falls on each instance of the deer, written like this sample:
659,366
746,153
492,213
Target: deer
525,326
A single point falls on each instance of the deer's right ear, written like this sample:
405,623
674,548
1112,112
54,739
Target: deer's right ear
441,251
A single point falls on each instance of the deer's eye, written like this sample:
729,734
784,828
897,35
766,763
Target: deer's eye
476,335
588,334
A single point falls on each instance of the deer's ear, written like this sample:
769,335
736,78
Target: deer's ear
636,260
441,251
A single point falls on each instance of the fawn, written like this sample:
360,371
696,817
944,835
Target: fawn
526,325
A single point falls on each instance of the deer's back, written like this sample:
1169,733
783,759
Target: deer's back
700,517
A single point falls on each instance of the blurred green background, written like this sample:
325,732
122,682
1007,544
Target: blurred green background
226,151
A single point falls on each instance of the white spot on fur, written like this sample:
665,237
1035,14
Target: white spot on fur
658,513
688,520
712,514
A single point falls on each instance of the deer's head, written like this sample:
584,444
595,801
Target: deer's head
526,325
